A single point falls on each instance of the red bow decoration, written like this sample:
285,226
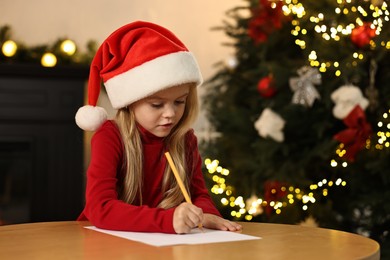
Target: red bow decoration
273,192
355,136
265,20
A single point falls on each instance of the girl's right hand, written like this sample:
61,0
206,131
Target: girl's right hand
186,217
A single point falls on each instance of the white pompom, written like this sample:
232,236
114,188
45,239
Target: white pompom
90,118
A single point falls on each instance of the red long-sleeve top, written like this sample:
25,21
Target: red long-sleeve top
103,208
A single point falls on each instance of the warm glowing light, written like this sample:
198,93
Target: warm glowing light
49,60
224,201
333,163
68,47
9,48
248,208
306,199
312,55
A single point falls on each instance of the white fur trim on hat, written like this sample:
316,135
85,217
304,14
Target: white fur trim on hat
90,118
150,77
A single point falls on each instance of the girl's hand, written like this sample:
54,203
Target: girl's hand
186,217
215,222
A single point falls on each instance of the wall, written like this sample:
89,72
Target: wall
44,21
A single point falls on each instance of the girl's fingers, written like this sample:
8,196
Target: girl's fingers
215,222
186,217
195,216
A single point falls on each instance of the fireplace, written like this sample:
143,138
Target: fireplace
15,177
41,148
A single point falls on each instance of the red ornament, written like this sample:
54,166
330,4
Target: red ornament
266,87
267,18
355,136
362,35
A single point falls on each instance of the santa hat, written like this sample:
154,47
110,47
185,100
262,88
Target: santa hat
136,61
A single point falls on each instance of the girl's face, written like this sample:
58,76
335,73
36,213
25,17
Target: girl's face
160,112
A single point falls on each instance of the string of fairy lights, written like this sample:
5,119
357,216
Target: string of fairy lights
248,208
63,51
48,59
384,132
330,32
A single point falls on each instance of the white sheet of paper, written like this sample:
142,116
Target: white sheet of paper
195,237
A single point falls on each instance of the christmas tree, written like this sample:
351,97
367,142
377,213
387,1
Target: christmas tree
300,115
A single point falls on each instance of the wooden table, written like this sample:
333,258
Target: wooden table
70,240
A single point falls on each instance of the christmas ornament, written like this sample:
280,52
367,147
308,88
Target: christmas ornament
267,18
303,86
362,35
355,136
345,99
266,87
270,124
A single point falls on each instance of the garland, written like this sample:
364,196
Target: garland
62,52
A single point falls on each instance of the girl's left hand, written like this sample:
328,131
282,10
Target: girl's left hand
215,222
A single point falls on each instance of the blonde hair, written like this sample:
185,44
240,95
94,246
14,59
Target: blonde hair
131,187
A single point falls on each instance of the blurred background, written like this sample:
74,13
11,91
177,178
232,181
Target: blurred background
295,121
43,22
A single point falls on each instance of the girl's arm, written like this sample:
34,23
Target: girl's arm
103,208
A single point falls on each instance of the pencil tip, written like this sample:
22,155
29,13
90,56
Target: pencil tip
201,228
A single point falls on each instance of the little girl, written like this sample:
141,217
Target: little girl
151,78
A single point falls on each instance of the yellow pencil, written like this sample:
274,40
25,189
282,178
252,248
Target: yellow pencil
180,182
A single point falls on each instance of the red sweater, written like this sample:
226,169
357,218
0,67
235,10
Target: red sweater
103,208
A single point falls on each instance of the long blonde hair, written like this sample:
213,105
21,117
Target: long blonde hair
131,187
